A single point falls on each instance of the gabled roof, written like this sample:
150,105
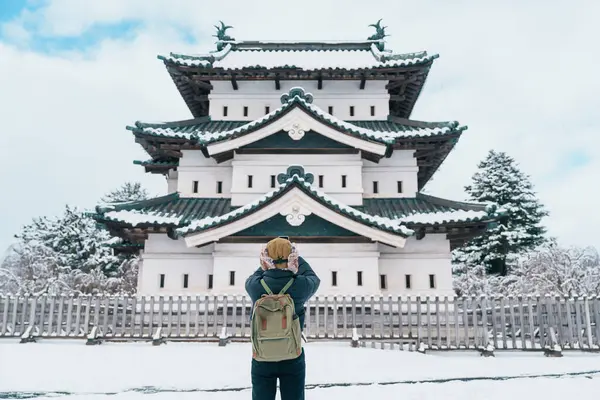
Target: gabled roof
435,139
353,55
206,131
297,179
396,216
362,60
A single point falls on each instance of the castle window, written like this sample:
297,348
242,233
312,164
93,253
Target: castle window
343,181
195,187
224,111
432,281
161,284
249,181
375,187
359,278
210,281
245,111
330,110
273,181
352,111
399,186
219,187
321,181
333,278
407,281
383,281
231,278
185,280
267,109
372,111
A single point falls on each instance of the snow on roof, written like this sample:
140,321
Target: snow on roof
381,136
382,222
138,218
304,55
444,217
306,59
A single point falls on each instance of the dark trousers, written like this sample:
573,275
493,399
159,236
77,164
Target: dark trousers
291,375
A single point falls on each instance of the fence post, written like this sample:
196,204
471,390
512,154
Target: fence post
554,350
223,338
27,336
588,322
354,342
157,338
93,338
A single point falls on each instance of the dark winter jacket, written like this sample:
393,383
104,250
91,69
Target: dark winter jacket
305,285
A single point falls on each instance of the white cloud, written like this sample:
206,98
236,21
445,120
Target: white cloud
520,74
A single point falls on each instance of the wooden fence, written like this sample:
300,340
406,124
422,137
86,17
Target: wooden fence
437,323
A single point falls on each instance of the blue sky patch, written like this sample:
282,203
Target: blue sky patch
123,31
11,9
577,158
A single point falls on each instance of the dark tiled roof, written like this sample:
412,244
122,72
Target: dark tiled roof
170,206
185,210
193,129
422,203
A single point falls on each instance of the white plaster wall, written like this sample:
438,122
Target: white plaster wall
418,258
332,167
401,166
193,166
171,181
256,95
163,255
360,174
346,259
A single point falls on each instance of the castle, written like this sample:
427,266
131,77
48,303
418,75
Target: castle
310,140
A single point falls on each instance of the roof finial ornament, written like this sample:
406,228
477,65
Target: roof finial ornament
296,92
222,35
379,34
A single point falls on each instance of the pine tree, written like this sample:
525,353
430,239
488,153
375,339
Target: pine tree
500,181
70,254
129,191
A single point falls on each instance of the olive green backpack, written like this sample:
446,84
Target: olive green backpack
276,334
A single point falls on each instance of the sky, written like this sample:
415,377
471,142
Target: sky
523,75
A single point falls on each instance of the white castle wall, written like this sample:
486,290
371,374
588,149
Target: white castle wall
401,166
341,95
419,258
359,173
331,166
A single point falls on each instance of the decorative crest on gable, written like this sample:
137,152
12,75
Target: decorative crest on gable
296,92
297,170
379,34
296,130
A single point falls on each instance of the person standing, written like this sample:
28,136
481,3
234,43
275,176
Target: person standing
279,289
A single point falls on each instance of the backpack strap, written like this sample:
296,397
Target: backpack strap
267,288
287,286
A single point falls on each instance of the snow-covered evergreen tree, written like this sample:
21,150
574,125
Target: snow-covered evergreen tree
500,181
129,191
70,254
74,239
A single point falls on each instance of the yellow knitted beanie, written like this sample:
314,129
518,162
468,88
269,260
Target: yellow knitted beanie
279,250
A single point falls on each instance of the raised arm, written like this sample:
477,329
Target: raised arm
253,286
307,278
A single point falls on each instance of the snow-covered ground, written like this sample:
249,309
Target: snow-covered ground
130,371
